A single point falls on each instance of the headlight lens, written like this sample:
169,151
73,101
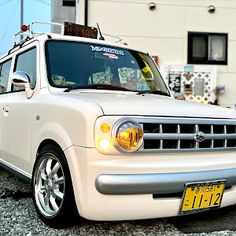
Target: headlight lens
128,136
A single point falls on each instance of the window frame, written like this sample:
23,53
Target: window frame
10,71
15,64
206,61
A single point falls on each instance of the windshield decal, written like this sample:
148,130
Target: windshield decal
107,50
111,55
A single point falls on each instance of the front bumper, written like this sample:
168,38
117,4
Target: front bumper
163,183
123,187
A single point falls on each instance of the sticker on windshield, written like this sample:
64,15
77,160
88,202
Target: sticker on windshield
110,55
107,50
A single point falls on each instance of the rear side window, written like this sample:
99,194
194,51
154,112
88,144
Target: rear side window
26,62
4,75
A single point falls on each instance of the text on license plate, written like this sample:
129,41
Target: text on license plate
198,196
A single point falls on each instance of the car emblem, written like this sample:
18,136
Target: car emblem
199,136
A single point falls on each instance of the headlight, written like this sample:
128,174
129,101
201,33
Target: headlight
128,136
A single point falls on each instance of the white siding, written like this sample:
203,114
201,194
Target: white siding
61,13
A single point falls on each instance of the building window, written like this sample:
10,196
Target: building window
68,3
207,48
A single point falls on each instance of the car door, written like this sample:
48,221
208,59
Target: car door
18,115
5,68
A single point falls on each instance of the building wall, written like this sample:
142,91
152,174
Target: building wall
163,32
61,13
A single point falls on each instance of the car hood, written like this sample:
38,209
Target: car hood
132,104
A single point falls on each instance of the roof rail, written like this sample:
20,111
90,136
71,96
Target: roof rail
32,34
113,38
65,29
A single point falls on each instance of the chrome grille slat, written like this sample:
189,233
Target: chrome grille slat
161,141
179,141
169,134
225,132
221,136
212,141
187,136
196,130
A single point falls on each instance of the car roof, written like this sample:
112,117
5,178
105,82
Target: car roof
50,36
67,30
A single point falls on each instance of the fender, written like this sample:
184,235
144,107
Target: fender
53,131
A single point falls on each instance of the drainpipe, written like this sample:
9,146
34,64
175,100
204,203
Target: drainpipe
86,12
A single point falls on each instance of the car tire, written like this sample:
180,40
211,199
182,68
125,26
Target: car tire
52,190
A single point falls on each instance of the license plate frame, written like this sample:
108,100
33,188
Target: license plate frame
200,186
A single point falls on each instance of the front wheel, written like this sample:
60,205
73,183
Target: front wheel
52,188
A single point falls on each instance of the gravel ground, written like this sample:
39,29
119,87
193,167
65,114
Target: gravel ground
18,217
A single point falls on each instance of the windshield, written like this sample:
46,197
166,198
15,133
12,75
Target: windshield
78,65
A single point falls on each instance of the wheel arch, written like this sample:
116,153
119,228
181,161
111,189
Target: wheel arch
50,133
46,142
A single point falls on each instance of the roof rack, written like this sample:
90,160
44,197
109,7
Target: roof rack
31,33
65,29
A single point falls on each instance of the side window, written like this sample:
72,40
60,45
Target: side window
26,62
4,75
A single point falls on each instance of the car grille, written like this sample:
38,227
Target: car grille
188,134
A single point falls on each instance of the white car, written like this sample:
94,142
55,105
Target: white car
93,126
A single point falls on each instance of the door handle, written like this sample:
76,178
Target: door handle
6,108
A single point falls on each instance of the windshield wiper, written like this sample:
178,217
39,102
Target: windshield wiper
159,92
98,86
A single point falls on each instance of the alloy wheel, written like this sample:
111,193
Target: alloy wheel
49,185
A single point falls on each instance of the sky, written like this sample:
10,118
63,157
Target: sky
34,10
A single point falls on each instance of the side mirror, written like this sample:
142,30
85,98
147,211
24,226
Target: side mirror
21,80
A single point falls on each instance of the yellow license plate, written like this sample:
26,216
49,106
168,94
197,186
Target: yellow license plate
200,196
